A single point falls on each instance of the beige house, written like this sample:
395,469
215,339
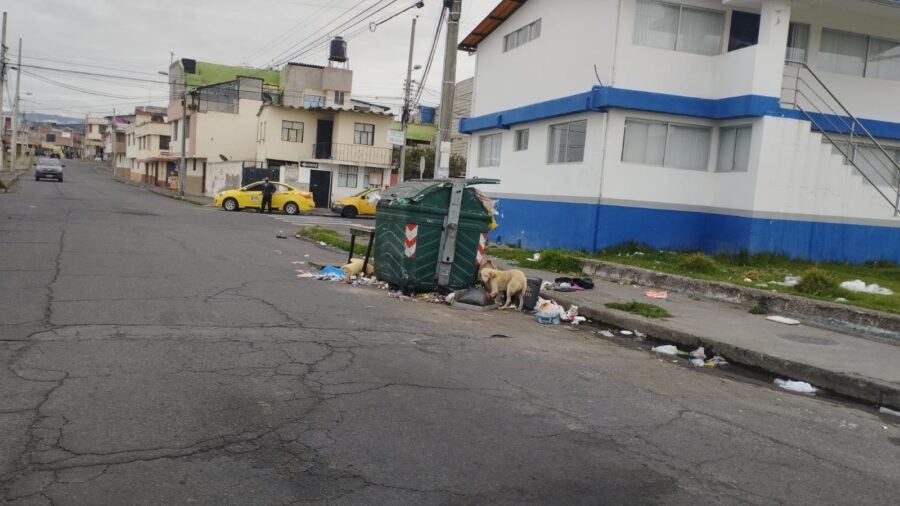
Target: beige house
147,147
93,143
332,152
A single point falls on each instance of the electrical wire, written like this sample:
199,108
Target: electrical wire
431,53
70,71
305,21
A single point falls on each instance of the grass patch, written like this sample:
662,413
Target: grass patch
554,260
818,283
754,270
331,238
641,309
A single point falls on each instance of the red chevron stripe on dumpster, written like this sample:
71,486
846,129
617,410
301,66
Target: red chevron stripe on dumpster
482,241
412,233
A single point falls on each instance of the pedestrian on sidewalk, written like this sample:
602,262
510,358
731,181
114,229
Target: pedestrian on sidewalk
267,190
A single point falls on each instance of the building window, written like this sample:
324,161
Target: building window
798,42
373,178
363,133
164,142
679,28
312,101
339,98
521,140
523,35
859,55
175,130
347,175
261,131
666,144
292,131
744,30
875,165
567,142
187,127
489,150
734,148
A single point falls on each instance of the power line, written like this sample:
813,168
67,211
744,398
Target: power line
324,26
74,88
308,20
434,43
80,72
86,65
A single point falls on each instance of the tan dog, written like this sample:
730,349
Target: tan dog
512,282
487,264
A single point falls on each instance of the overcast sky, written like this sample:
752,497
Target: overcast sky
134,39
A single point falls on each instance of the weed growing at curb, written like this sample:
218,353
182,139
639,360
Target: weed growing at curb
640,308
331,238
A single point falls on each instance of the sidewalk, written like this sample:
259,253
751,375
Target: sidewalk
856,367
200,200
9,178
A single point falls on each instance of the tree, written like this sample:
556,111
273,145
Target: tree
415,153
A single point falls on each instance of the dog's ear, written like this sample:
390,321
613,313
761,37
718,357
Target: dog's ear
492,274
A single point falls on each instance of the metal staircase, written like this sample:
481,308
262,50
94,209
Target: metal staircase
805,92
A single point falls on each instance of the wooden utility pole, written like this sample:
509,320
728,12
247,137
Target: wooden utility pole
404,117
2,78
14,163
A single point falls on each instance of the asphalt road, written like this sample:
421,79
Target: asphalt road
155,352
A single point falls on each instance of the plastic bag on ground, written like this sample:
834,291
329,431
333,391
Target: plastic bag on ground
667,349
699,353
858,285
796,386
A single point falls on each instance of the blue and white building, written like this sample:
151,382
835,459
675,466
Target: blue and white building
719,125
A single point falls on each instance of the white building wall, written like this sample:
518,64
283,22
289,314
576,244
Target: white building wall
231,135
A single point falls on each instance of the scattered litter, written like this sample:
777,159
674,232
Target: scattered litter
667,349
788,281
639,336
796,386
578,319
548,318
783,319
298,262
841,300
715,362
699,353
626,332
305,256
322,243
888,411
606,333
355,267
535,258
697,362
748,280
858,285
657,294
279,236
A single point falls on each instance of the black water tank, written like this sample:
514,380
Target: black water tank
338,50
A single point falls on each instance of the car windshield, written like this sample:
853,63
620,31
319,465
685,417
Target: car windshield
48,161
360,194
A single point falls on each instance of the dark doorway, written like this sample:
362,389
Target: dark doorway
323,139
320,186
744,30
252,174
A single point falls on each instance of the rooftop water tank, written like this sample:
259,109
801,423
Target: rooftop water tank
427,114
338,51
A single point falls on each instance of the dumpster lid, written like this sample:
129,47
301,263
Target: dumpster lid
417,187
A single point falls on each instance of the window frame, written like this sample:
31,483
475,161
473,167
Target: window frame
666,145
490,162
367,133
288,126
516,35
737,128
550,160
808,37
320,101
722,43
339,97
518,135
367,171
869,38
344,175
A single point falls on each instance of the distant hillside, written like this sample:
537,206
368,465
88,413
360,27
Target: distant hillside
39,117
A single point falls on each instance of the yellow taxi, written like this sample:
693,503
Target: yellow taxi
286,198
363,203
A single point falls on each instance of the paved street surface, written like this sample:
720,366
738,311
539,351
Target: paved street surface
156,353
292,223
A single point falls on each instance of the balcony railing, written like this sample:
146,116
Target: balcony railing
354,154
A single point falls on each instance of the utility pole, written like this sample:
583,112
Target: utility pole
182,169
421,167
442,149
2,77
14,162
404,119
115,137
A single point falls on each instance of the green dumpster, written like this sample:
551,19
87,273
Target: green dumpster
431,234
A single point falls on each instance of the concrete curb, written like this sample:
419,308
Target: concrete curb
9,184
861,388
829,315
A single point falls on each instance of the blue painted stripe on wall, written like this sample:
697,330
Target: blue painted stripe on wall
602,98
590,227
